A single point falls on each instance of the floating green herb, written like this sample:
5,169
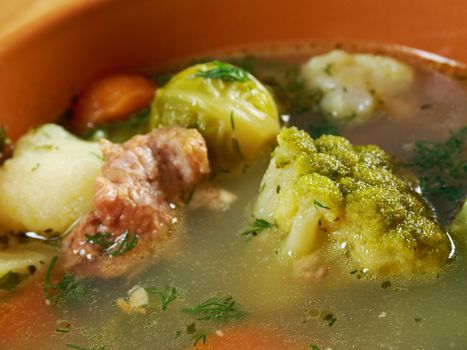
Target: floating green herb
72,346
442,167
330,319
215,308
225,72
11,279
313,347
200,337
167,295
258,226
67,289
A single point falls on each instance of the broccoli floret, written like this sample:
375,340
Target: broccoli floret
327,192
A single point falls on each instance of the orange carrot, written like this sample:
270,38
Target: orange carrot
247,338
110,98
25,318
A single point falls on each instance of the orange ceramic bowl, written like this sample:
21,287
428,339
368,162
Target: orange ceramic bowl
49,54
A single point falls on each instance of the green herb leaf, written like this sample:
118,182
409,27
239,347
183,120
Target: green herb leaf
232,122
98,156
190,329
215,309
225,72
442,167
330,319
125,245
200,337
167,295
72,346
110,246
313,347
258,226
319,205
67,289
11,279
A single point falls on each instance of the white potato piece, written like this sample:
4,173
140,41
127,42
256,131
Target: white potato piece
18,259
354,86
49,182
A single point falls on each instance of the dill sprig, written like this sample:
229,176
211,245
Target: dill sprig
125,245
225,72
167,295
73,346
67,289
110,246
442,166
258,226
215,308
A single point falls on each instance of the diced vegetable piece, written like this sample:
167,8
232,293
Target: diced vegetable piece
246,338
26,313
49,182
354,86
24,258
111,98
234,112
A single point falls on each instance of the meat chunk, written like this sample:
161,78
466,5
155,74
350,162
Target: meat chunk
136,201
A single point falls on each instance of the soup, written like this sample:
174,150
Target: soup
223,282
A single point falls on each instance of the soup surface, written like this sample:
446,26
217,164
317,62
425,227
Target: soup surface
213,259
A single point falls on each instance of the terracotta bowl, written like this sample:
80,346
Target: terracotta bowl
49,52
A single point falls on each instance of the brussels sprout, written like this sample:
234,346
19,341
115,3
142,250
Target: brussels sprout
234,112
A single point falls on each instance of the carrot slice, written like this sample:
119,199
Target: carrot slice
25,319
110,98
247,338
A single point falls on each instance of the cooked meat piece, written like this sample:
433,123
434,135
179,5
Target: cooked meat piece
136,201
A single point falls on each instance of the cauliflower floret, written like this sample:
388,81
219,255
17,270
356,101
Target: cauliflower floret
330,193
49,182
354,85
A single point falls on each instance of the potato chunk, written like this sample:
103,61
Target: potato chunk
49,182
355,85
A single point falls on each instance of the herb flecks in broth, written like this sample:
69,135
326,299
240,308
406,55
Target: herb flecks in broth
442,167
68,289
215,308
